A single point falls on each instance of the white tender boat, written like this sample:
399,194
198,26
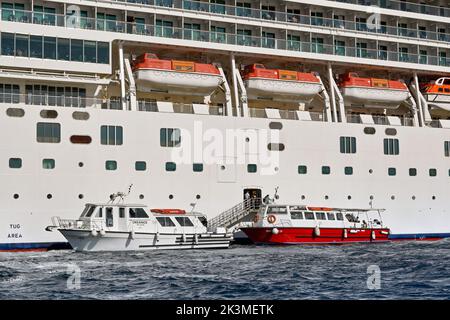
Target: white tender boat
130,227
372,92
154,74
262,83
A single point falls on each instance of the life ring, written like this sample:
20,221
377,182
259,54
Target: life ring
271,219
256,218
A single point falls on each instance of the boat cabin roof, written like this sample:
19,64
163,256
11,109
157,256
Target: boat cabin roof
310,208
125,205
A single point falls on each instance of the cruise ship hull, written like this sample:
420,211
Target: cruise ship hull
416,206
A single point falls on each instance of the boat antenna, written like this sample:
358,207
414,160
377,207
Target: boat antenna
193,204
119,195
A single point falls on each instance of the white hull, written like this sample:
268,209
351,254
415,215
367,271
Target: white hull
23,220
298,91
189,82
438,101
122,241
371,97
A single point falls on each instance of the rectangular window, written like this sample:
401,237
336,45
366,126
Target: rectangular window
391,146
447,148
433,172
171,166
36,47
76,50
392,171
330,216
111,165
48,132
138,213
326,170
298,215
309,215
348,144
302,169
49,48
103,52
48,163
90,51
412,172
184,221
320,216
15,163
197,167
252,168
165,221
63,49
140,165
170,137
348,171
111,135
7,44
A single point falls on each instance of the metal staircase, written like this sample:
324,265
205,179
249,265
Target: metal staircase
234,215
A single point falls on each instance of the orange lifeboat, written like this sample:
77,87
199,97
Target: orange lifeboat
372,92
154,74
168,211
262,83
437,93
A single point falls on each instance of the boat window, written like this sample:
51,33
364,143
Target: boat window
309,215
90,211
297,215
165,221
99,213
330,216
203,221
369,130
296,208
339,216
320,216
138,213
184,221
121,212
351,218
440,89
277,210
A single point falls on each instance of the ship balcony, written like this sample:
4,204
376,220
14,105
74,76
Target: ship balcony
60,20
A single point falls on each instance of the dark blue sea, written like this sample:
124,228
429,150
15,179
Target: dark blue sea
401,270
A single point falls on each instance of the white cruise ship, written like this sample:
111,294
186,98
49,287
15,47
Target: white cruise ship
337,103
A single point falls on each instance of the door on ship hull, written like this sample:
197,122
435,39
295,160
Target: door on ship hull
253,193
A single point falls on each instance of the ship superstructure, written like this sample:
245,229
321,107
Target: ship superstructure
337,103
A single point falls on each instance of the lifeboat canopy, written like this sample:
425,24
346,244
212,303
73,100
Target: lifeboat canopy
437,93
185,77
263,83
372,92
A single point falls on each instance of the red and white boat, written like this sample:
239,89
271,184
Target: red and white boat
152,73
372,92
297,224
437,93
262,83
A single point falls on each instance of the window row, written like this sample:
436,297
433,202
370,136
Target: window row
23,45
326,170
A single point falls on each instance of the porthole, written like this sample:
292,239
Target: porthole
371,197
413,197
276,125
276,169
370,171
49,196
369,130
80,196
49,114
433,197
170,196
79,115
16,196
349,197
197,197
80,164
303,197
326,197
247,139
391,132
15,112
392,197
141,196
222,167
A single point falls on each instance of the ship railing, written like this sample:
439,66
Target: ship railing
70,223
71,21
381,120
272,14
234,215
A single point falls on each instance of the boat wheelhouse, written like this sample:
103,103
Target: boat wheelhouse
130,227
372,92
298,224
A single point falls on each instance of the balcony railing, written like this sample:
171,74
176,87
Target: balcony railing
314,21
233,39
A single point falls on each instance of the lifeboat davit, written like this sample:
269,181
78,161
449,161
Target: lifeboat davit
437,94
372,92
154,74
262,83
